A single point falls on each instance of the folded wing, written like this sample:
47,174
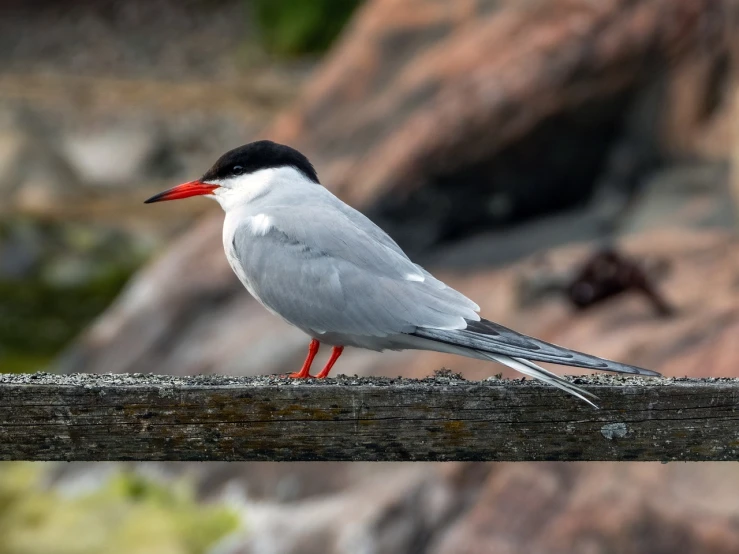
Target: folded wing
325,271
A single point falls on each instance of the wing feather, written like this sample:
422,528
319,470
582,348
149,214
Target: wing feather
324,271
487,336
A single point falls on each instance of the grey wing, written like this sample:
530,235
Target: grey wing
323,271
377,234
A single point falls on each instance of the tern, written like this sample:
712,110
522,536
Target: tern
325,268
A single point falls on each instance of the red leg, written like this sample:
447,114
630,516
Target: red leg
335,353
304,372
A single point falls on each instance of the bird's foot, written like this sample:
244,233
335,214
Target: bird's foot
301,375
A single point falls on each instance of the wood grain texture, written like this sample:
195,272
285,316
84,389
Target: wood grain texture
148,417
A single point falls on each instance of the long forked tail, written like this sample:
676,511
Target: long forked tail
530,369
487,340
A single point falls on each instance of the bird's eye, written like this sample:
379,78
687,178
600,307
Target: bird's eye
238,170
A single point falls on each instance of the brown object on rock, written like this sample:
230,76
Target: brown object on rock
606,274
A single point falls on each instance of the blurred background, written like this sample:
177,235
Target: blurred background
568,164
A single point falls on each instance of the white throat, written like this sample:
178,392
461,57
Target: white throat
238,192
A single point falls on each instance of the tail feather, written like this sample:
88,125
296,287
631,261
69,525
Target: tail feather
489,341
538,372
489,337
530,369
521,365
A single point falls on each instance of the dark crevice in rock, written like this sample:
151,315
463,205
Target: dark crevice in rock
568,163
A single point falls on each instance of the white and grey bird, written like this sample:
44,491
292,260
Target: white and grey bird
325,268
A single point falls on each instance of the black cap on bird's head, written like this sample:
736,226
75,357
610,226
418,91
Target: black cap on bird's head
263,154
246,159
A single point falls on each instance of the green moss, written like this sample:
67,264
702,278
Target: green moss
38,317
292,27
62,276
128,514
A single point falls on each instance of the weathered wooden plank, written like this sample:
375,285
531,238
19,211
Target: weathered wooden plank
148,417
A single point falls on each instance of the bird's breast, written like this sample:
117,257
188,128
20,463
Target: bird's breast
230,228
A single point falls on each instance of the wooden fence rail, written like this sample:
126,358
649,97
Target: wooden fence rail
148,417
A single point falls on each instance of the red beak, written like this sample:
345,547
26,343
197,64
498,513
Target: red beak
185,190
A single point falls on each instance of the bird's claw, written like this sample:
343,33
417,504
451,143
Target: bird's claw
301,375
